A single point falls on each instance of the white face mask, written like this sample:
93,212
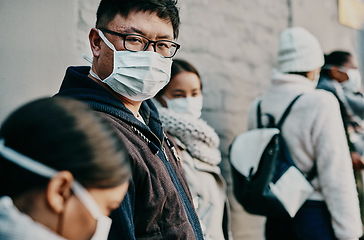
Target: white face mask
353,84
103,222
137,75
189,105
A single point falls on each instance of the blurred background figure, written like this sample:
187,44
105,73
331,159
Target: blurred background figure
179,105
315,138
341,77
62,171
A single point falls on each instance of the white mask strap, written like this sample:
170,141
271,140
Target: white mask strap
94,75
84,196
87,58
48,172
109,44
165,98
26,162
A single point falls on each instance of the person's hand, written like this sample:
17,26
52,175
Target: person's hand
358,163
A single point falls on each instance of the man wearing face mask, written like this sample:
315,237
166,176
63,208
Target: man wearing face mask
132,46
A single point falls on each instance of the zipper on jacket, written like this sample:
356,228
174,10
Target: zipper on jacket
153,146
175,153
172,147
187,205
165,153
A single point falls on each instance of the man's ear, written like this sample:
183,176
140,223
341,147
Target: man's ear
59,190
95,41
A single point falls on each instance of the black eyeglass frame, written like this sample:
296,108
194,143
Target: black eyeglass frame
124,35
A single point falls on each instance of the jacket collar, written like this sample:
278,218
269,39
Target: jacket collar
282,80
77,84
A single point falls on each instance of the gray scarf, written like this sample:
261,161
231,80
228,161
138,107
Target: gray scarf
200,139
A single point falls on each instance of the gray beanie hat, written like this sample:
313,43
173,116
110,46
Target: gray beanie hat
299,51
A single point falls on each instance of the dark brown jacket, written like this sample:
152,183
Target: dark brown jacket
158,204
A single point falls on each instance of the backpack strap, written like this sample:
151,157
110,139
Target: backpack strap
259,115
259,118
286,112
312,173
281,121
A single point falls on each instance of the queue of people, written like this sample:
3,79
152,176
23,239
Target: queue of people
103,160
315,138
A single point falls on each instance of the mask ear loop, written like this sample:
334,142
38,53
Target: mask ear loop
45,171
165,100
35,167
87,200
26,162
87,58
109,44
106,41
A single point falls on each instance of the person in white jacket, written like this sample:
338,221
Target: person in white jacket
315,137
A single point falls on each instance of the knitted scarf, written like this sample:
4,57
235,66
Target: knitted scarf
200,139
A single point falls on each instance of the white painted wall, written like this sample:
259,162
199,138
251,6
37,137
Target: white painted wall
37,43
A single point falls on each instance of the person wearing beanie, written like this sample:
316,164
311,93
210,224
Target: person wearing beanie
315,138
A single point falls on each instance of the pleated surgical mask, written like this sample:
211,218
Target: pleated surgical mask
103,222
188,105
136,75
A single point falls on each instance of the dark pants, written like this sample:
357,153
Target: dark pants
312,221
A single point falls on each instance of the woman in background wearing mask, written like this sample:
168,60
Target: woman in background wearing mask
179,105
340,76
61,172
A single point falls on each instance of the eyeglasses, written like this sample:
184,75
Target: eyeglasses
136,43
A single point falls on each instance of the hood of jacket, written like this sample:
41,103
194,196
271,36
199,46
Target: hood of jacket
78,85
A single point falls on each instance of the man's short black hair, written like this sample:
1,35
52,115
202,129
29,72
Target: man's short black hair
165,9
